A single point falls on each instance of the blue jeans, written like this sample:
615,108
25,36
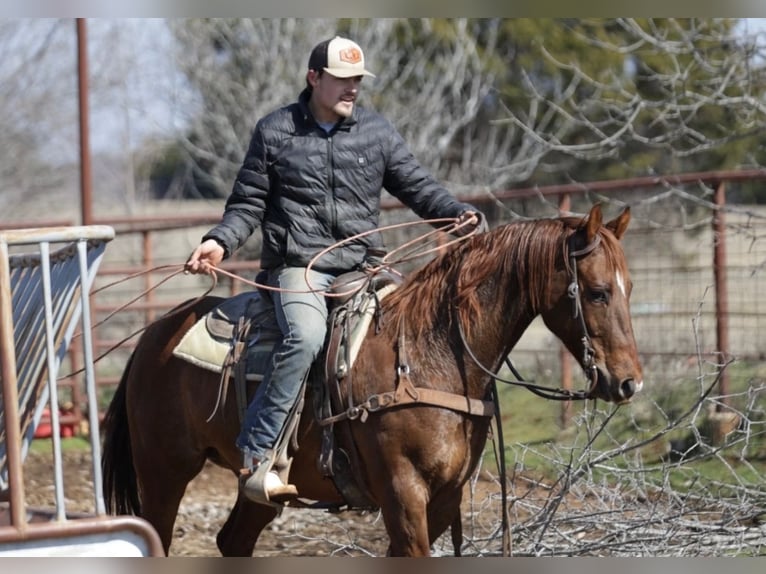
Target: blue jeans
302,318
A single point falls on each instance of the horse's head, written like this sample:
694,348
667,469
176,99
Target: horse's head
591,309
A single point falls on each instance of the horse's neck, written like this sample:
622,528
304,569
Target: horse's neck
503,322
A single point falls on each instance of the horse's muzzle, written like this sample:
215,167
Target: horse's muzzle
613,390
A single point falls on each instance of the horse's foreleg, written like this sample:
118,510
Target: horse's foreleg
444,512
242,528
404,514
408,537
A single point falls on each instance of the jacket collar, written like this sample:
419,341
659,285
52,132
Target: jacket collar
308,117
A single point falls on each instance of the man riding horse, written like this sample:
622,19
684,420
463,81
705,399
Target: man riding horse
312,177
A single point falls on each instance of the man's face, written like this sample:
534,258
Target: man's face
333,97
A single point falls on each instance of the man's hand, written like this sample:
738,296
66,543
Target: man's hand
471,221
207,255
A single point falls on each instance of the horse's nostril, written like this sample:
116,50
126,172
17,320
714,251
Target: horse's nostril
627,388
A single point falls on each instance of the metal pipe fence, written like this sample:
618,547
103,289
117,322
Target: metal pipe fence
697,265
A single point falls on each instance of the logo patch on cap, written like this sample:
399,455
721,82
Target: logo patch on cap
351,55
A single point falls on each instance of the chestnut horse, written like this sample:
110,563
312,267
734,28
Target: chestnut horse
456,317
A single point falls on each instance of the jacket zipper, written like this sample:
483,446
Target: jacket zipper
331,183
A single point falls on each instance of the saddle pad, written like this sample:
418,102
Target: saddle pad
208,342
200,348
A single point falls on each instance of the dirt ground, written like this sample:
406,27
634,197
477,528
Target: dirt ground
204,508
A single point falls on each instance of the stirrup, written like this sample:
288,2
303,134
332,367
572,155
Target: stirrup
263,485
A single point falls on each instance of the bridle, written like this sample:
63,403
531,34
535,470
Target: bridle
589,353
573,292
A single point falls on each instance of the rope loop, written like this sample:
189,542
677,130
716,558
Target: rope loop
451,225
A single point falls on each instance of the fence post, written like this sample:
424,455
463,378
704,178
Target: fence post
75,354
86,179
721,292
721,420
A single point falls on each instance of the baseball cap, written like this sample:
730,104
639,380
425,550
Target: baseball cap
339,57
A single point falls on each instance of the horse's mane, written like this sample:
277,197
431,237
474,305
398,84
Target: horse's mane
519,256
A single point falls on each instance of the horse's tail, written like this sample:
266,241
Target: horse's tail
118,472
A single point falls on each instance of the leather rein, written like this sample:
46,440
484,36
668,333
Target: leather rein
588,363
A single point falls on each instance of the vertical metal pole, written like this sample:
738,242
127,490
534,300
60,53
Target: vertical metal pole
10,394
90,377
565,205
58,472
86,179
721,292
86,194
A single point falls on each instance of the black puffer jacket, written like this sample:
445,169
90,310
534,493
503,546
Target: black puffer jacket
308,189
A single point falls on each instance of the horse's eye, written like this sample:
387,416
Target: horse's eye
599,296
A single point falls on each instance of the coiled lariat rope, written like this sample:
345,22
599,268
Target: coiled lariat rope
419,247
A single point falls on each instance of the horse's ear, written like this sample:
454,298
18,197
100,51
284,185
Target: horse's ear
592,222
620,223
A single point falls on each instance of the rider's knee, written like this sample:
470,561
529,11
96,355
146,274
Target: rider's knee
309,338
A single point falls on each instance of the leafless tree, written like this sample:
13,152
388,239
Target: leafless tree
610,113
413,79
440,83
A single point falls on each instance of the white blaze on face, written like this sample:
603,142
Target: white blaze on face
621,283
